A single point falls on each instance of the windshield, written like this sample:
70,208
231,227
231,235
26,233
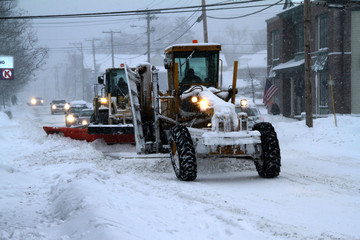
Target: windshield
59,101
76,109
86,112
198,67
117,82
251,111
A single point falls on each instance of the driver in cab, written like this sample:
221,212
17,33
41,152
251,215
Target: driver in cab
190,77
122,87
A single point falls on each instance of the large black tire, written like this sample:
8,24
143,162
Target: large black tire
268,165
182,153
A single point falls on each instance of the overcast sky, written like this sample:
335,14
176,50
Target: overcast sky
59,35
56,33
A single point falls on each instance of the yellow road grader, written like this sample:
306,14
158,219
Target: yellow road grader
194,117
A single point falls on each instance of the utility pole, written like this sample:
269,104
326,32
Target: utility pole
149,17
82,69
307,66
94,58
204,21
73,75
148,36
56,84
112,46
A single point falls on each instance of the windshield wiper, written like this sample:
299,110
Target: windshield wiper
189,57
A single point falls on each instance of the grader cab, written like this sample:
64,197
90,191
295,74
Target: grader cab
194,117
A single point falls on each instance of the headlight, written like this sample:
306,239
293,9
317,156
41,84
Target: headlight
194,99
66,106
53,106
33,101
70,118
204,104
243,102
103,100
42,101
84,122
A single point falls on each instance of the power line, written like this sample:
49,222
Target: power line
183,23
89,22
209,7
197,20
249,14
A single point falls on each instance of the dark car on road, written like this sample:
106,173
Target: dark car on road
84,117
74,112
35,101
253,113
59,106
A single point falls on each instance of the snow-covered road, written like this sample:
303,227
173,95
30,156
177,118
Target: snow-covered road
57,188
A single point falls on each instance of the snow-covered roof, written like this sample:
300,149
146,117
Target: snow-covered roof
223,58
193,44
104,61
256,60
78,102
290,64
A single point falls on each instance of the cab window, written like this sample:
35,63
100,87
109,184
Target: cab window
117,82
196,67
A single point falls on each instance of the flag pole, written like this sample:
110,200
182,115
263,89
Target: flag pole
332,97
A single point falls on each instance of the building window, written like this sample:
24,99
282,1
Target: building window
299,28
322,31
275,44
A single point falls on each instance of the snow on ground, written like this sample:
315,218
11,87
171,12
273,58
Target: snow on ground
57,188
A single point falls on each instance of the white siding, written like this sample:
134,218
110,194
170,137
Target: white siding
355,62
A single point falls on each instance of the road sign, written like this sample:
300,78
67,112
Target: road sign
7,74
6,68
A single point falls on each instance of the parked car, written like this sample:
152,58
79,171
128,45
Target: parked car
73,113
59,106
35,101
253,113
84,117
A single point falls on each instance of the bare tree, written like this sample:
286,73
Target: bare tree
19,40
258,40
234,41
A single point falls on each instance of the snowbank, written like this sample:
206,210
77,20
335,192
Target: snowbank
57,188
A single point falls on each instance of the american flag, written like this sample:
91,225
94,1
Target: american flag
269,92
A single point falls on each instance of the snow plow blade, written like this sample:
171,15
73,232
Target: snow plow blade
111,129
82,134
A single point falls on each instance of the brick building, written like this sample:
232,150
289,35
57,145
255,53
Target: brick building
335,52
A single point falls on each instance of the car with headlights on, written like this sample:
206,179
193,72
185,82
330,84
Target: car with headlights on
36,101
59,106
252,112
74,112
84,117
